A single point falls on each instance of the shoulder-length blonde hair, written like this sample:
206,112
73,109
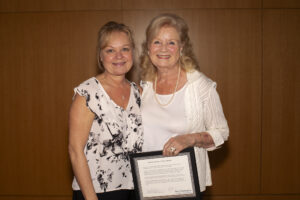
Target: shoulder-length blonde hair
187,59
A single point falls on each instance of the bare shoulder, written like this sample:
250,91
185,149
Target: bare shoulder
79,108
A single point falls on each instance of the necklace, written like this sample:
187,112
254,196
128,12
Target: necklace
120,89
122,93
173,95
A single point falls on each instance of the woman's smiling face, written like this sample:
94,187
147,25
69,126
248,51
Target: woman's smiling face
164,49
117,55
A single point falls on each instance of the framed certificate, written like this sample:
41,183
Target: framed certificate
159,177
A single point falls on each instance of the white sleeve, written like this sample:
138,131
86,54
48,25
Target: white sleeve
214,119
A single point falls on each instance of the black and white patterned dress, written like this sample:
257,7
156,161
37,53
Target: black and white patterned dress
114,134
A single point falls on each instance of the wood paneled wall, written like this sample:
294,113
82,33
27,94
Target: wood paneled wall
249,47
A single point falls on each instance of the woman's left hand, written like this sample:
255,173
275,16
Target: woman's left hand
176,144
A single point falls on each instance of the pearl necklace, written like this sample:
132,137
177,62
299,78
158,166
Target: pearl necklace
173,95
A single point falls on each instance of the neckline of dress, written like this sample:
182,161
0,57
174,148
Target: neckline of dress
166,95
105,93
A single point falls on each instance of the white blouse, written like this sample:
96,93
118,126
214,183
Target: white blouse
115,133
162,122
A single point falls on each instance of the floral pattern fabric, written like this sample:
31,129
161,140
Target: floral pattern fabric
115,133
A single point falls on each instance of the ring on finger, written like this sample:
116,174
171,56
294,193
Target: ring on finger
172,149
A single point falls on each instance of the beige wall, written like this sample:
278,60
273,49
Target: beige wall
251,48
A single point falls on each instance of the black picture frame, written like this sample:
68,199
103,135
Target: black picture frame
189,152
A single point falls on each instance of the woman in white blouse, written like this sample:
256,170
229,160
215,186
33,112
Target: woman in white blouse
180,105
105,122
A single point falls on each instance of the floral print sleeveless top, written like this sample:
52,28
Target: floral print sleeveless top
115,133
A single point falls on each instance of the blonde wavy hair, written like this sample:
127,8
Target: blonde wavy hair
187,59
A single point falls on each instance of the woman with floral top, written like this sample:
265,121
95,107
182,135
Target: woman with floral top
105,122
